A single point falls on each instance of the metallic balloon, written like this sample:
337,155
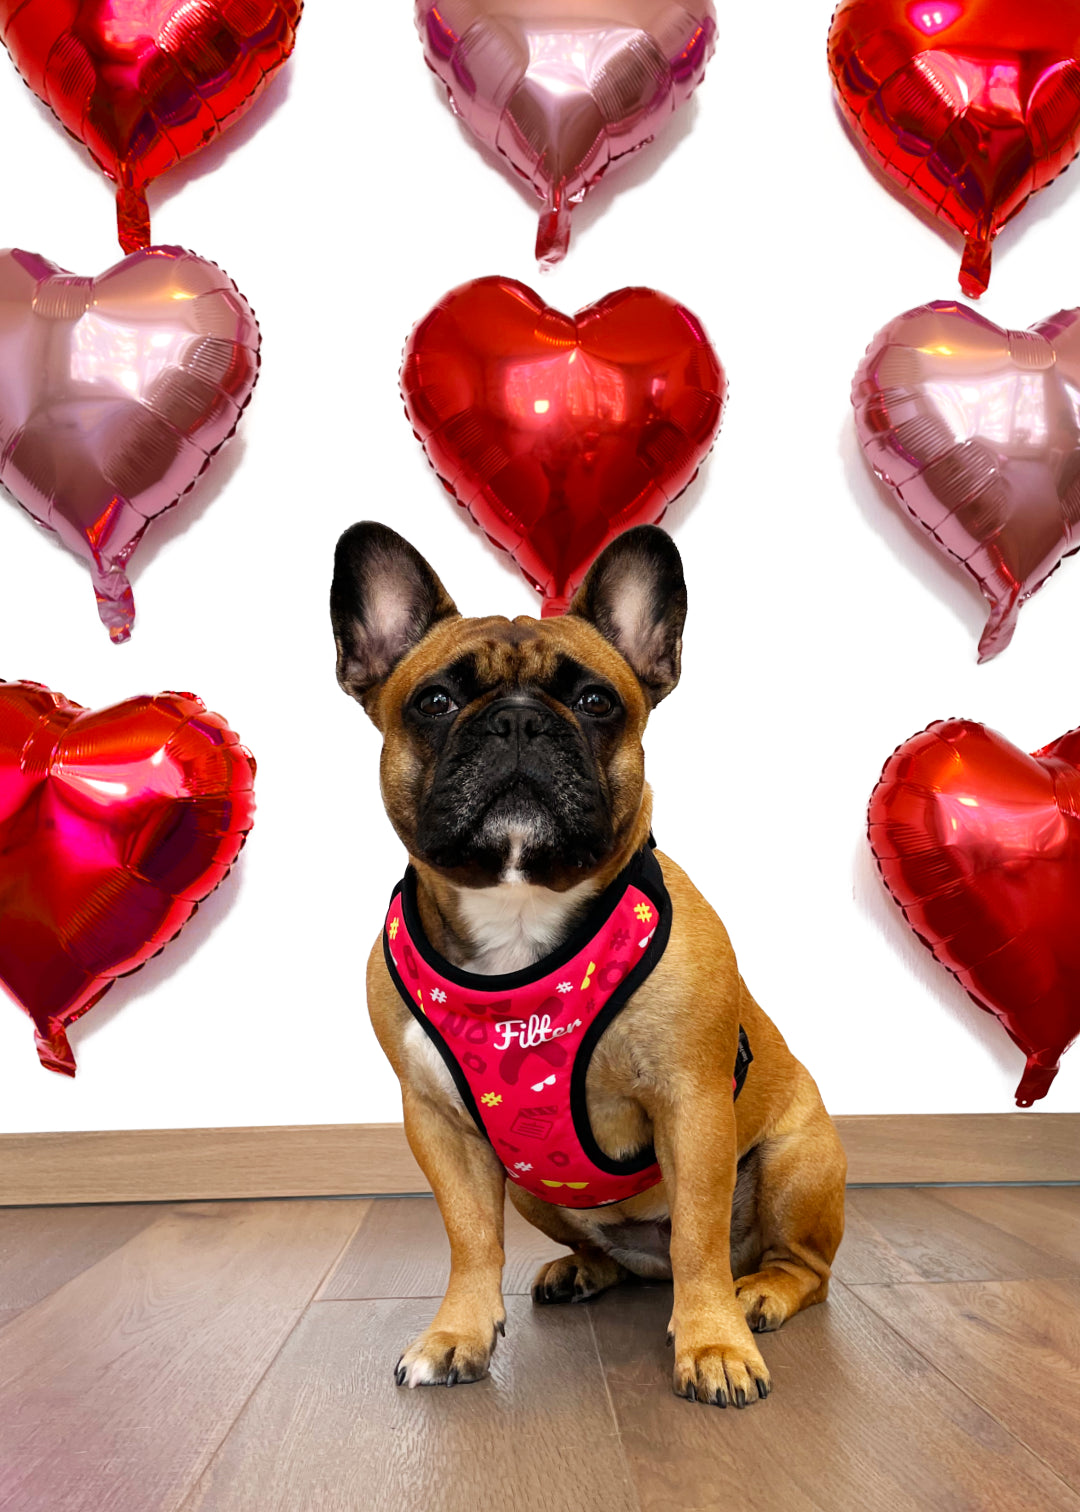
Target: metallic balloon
556,434
114,826
145,83
565,88
970,105
115,392
977,432
979,844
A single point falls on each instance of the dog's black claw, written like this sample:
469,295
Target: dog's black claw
400,1374
452,1376
763,1389
720,1399
691,1392
739,1397
500,1329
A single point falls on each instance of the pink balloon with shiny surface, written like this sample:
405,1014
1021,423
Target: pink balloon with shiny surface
565,88
976,430
115,393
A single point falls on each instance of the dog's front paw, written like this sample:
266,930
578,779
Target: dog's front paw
575,1278
447,1357
720,1373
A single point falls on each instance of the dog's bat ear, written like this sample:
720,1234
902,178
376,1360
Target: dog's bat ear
635,595
384,600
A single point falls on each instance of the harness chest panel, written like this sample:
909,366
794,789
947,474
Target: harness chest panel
518,1046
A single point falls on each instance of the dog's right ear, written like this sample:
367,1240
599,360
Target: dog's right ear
384,600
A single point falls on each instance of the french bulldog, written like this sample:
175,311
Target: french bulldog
512,770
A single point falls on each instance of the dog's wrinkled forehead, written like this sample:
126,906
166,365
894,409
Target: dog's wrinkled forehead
494,656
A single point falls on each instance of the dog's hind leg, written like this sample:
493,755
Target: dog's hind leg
801,1170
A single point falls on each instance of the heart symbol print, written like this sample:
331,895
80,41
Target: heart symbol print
969,107
557,433
979,844
115,393
114,826
977,432
145,83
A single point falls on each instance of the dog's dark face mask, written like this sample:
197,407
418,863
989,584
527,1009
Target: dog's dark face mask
512,749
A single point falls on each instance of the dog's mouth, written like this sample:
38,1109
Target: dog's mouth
518,832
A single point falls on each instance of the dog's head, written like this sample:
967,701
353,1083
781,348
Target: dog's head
511,748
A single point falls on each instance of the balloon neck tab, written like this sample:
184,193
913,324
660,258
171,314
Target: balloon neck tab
132,218
553,234
975,268
553,607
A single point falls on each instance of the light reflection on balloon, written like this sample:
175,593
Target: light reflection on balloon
114,825
979,844
977,432
115,393
970,107
564,89
558,433
145,85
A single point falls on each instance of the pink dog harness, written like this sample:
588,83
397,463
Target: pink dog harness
519,1046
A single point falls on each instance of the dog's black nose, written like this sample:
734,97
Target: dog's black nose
517,718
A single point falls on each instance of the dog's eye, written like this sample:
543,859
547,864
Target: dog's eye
595,701
435,703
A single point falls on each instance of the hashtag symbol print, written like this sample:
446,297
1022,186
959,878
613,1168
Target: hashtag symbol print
491,1099
644,912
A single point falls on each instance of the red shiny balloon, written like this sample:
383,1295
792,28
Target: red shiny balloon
145,83
979,844
558,433
115,824
970,105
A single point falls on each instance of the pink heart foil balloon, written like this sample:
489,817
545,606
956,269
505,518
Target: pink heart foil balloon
115,393
977,432
565,88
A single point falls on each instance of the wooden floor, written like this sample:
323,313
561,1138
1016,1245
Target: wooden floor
237,1357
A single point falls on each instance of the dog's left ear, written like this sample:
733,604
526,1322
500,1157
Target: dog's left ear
384,600
635,595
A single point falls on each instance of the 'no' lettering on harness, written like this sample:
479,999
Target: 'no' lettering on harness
518,1046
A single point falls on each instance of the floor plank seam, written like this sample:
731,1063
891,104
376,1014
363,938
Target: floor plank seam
956,1385
631,1482
301,1313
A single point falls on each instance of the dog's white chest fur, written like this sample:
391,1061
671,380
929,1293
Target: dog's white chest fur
514,924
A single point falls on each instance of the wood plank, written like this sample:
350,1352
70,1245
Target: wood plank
334,1160
329,1429
916,1148
207,1165
1014,1346
401,1250
116,1389
897,1234
857,1422
1048,1217
42,1248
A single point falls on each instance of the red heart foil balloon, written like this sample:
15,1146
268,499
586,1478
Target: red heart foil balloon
980,846
145,83
558,433
977,431
115,393
969,105
564,89
114,826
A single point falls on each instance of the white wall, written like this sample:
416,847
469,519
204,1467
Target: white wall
822,630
